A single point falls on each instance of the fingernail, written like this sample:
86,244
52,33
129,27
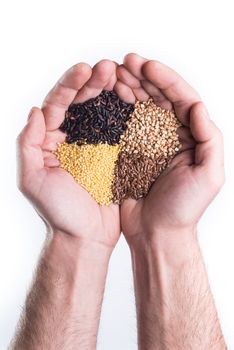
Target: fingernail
30,113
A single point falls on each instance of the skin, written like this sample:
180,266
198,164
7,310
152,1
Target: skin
66,207
175,308
198,167
62,309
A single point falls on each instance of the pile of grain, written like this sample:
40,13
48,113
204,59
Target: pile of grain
116,150
99,120
134,175
146,148
92,166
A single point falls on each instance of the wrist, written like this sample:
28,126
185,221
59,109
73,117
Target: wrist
75,260
77,246
64,304
156,261
172,289
175,246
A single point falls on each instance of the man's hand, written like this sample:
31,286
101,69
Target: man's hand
175,308
63,307
182,193
63,204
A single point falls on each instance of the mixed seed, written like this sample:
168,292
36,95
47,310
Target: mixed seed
116,150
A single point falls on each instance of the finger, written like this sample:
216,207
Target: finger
134,64
124,92
52,138
157,95
110,85
184,133
173,86
140,94
127,78
132,72
30,140
61,96
126,209
50,161
209,150
186,139
186,146
185,158
101,75
128,204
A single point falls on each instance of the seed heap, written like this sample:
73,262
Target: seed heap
146,148
116,150
91,149
151,131
101,119
92,166
134,176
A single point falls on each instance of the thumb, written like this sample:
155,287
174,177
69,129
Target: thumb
209,148
33,133
29,143
200,123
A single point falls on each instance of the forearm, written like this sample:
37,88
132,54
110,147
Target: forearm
175,307
63,307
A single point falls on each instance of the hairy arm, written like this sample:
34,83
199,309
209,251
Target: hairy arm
63,307
175,307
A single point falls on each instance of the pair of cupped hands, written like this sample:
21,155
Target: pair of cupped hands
178,197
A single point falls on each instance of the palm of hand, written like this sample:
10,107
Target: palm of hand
69,208
182,192
62,203
179,195
173,202
160,210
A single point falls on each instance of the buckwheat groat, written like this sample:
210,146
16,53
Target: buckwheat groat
151,131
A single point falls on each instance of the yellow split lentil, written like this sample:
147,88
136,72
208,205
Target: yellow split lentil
92,166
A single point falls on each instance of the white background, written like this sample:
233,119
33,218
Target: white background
41,39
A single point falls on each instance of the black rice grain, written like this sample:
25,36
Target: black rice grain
99,120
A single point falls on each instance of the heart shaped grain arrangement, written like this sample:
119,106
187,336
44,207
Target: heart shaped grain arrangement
116,150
